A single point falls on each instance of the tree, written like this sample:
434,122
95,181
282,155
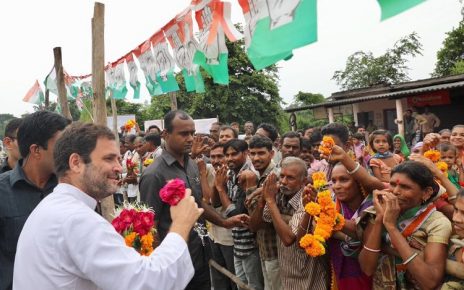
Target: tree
305,119
53,107
251,95
451,56
304,99
4,119
363,69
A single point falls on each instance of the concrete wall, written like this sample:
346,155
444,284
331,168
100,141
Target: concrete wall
377,107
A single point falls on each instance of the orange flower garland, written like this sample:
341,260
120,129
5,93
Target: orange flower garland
326,145
327,218
129,125
434,156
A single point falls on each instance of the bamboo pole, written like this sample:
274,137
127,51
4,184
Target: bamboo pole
62,95
47,100
173,96
98,84
231,276
114,111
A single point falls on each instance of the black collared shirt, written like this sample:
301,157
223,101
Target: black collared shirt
154,177
5,166
18,197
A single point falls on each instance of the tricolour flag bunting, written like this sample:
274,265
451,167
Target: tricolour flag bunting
391,8
35,94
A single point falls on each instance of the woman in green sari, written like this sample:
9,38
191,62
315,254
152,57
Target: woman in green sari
405,238
400,147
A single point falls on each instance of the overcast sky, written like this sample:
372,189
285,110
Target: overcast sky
30,29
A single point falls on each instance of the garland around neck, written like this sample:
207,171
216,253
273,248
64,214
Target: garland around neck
385,155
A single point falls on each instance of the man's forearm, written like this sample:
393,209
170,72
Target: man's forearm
211,215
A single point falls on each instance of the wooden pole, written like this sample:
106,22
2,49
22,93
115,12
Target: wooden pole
173,96
114,111
62,95
47,99
98,84
228,274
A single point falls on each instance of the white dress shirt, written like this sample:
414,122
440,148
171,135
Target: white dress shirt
65,244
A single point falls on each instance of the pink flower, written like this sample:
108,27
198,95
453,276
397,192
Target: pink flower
173,191
118,225
147,219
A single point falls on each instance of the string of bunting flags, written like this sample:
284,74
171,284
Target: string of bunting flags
267,24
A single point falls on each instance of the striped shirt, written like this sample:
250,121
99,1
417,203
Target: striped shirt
298,270
244,239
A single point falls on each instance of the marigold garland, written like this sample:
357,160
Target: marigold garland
129,125
327,218
326,145
433,155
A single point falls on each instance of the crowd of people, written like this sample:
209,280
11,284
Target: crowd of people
404,215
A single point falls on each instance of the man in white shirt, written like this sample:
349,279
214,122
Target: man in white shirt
65,244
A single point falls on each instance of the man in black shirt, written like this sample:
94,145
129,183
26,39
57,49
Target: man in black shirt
175,162
22,188
10,144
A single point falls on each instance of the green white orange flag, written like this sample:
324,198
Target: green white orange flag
164,63
179,33
116,81
50,83
391,8
276,27
35,94
147,64
133,79
213,18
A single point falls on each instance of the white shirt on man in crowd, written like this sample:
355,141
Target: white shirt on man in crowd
65,244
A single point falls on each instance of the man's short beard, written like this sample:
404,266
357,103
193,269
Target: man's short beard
287,192
95,186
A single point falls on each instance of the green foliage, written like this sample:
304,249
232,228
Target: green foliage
458,68
363,69
304,99
450,57
4,119
304,119
75,113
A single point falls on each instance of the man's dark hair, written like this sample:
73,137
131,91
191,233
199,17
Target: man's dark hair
358,136
270,129
231,129
260,142
291,134
131,138
236,144
234,123
217,145
154,127
169,118
306,144
12,126
316,137
153,138
38,128
78,138
217,123
336,129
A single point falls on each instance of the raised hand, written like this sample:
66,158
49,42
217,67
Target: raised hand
198,146
337,154
309,194
220,180
270,188
392,209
